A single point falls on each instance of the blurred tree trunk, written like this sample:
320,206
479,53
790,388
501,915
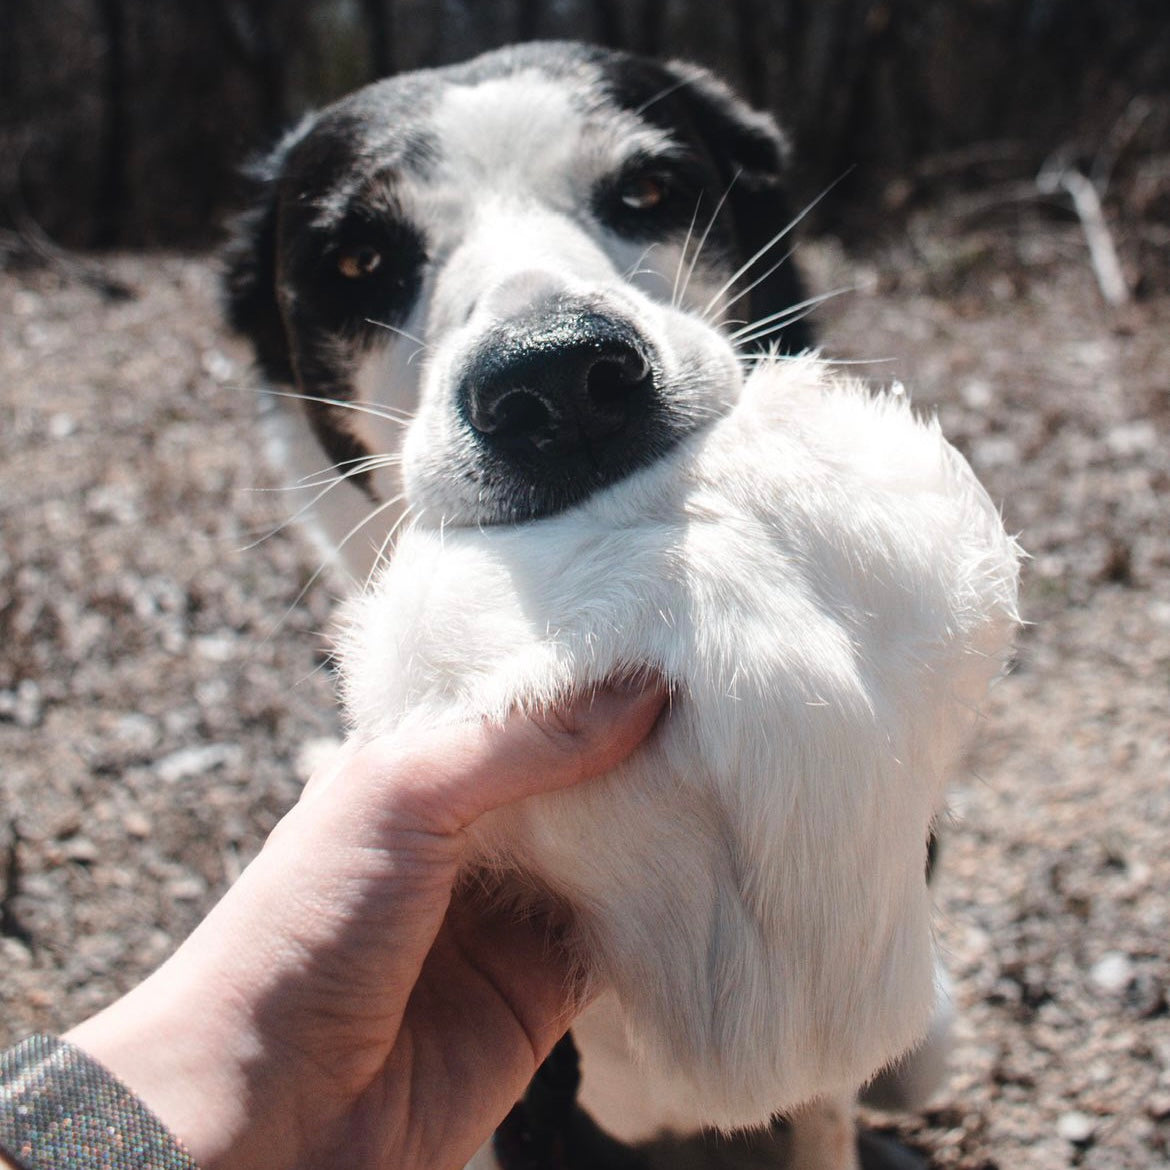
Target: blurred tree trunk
9,59
11,110
528,19
607,24
113,188
251,33
755,49
379,19
650,36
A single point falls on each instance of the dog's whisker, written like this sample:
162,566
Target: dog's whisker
380,557
755,284
777,327
706,233
665,93
386,413
636,268
747,266
423,345
312,483
760,253
325,663
325,475
362,466
390,456
682,259
750,331
305,508
877,361
279,624
354,468
776,355
371,515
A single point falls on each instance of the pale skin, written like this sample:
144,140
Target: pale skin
340,1007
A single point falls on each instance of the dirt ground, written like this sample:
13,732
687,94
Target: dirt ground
162,688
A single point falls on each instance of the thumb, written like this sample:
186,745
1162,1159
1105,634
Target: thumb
443,779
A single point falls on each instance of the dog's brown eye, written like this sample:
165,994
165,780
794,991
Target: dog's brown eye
359,262
644,192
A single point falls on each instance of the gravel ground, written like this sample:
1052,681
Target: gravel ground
162,689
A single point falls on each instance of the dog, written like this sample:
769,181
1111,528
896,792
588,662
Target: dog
520,304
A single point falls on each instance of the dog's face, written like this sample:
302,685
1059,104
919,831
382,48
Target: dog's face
529,268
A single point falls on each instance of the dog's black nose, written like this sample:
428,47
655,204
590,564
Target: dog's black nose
560,403
565,386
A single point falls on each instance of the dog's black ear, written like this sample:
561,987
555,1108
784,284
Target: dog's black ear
753,157
249,268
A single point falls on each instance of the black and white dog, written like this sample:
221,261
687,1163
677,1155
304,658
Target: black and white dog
516,299
541,215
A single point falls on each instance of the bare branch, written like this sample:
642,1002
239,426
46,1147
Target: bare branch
1087,204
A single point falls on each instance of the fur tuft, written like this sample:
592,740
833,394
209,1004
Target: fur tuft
830,592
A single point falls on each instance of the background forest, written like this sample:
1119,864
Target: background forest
125,122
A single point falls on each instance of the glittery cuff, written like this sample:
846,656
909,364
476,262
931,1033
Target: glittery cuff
61,1110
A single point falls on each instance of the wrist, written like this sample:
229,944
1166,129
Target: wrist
59,1106
212,1041
184,1042
175,1064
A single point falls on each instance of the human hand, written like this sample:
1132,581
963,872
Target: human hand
339,1007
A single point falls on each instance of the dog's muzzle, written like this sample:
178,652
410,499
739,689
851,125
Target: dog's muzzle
560,404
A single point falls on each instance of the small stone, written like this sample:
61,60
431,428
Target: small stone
136,733
136,824
188,889
995,451
61,425
26,303
1113,972
197,761
15,953
80,849
23,704
216,647
977,394
1003,288
1050,566
1132,439
217,365
1076,1127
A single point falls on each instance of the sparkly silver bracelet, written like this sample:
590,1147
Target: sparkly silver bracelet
61,1110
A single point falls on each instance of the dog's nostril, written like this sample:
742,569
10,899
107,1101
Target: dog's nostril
608,388
514,416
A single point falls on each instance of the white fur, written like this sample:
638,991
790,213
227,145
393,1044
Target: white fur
830,591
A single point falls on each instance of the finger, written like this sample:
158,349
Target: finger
443,780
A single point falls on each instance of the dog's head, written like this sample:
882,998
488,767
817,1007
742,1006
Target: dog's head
527,271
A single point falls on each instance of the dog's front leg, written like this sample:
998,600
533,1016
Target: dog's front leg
823,1136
